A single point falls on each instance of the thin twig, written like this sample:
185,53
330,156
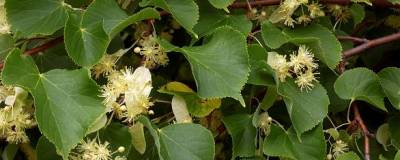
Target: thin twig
45,46
360,122
380,3
41,48
353,39
370,44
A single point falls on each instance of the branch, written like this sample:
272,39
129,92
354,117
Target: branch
45,46
353,39
41,48
370,44
378,3
360,122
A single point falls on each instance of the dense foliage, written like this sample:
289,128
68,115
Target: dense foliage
199,79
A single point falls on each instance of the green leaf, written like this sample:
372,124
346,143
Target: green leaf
85,44
185,12
390,82
306,108
6,45
221,4
272,35
181,141
358,13
38,17
394,129
360,84
87,35
320,40
117,135
187,141
348,156
211,18
327,78
383,135
67,102
45,150
397,156
104,10
260,72
243,134
269,98
220,66
286,144
114,18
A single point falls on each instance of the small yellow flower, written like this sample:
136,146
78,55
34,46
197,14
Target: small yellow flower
315,10
4,25
153,54
303,60
127,93
339,147
284,12
289,21
106,65
280,65
305,80
341,13
303,19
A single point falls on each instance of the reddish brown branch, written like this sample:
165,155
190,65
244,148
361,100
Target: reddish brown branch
370,44
360,122
378,3
45,46
41,48
353,39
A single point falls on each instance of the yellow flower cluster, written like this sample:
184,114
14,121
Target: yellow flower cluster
284,13
127,93
339,147
153,54
14,117
106,64
301,65
341,13
93,149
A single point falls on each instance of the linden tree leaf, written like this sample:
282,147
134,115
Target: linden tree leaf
272,35
182,141
261,73
85,44
320,40
221,4
45,150
348,156
66,102
221,65
114,18
306,108
360,84
311,145
243,134
211,18
185,12
38,17
390,82
87,35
